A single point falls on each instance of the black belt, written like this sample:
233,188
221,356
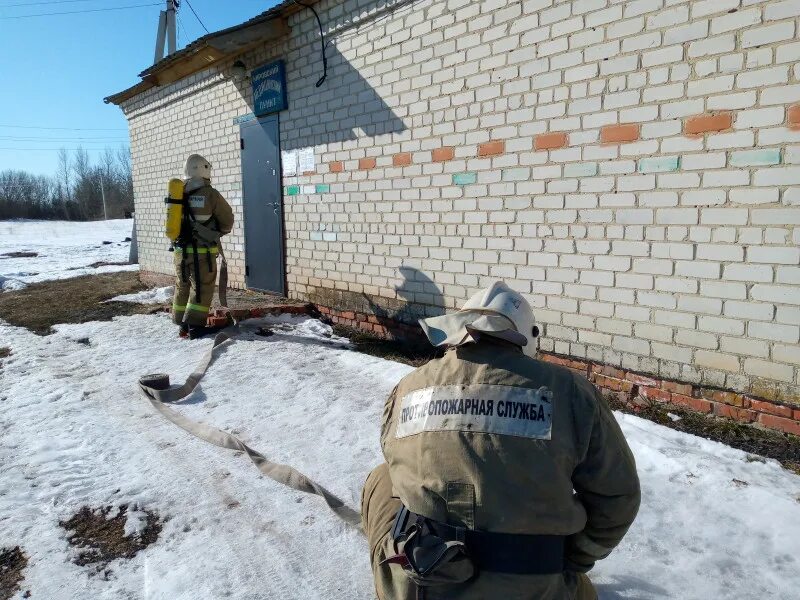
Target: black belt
515,553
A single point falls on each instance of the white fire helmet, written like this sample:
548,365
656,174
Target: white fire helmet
497,311
197,166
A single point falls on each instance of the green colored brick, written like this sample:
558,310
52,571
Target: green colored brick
658,164
292,190
587,169
517,174
756,158
323,188
464,178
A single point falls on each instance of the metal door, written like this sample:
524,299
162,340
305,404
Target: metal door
263,205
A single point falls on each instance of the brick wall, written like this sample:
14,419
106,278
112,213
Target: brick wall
632,166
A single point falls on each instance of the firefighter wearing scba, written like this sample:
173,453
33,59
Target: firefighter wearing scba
205,219
506,477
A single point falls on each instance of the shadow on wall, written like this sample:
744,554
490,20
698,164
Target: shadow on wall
421,298
345,108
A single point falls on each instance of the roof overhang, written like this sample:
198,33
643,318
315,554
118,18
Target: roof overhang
209,50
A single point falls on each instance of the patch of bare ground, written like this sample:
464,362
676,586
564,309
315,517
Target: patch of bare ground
411,353
19,255
5,352
101,539
41,305
12,562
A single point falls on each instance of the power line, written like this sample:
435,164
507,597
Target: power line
53,149
44,2
67,140
66,128
79,12
189,4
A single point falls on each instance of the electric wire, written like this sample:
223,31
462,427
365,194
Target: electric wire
78,12
44,2
321,39
189,4
65,128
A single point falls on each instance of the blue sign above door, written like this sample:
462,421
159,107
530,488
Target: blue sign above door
269,88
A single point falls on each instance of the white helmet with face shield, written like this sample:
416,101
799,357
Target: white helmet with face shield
197,166
497,311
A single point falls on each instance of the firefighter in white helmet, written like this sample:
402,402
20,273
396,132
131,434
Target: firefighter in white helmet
505,476
197,247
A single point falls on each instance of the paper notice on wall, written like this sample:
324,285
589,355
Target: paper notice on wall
289,163
306,161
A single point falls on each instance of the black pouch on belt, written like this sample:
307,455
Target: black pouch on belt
426,557
434,553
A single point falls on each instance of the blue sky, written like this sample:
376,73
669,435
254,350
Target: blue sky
57,69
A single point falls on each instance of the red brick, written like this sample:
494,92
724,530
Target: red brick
492,148
619,134
700,124
779,423
309,172
403,159
677,388
737,414
549,141
696,404
366,163
336,166
794,117
797,415
609,371
445,153
657,394
612,383
771,408
731,398
643,380
348,315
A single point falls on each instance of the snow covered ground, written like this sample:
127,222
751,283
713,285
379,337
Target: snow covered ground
75,432
714,524
65,249
160,295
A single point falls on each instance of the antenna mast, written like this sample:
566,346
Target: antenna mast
166,30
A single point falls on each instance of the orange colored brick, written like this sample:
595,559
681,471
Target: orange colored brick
549,141
677,388
609,371
697,404
643,380
742,415
366,163
780,423
403,159
336,166
731,398
700,124
492,148
652,393
619,134
771,409
443,154
794,117
612,383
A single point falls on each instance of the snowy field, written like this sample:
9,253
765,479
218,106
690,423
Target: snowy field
64,248
714,524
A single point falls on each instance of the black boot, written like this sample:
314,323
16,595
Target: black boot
198,331
183,330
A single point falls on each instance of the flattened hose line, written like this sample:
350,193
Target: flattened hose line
157,390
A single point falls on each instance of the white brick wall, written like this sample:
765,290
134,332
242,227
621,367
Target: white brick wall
674,254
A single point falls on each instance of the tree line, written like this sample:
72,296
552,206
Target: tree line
79,190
